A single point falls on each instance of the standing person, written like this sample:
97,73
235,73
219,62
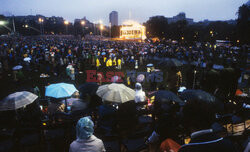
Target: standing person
97,63
119,64
174,79
139,94
210,81
136,64
86,141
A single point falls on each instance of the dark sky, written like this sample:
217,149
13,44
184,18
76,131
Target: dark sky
140,10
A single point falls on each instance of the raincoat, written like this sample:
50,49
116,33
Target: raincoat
86,141
139,94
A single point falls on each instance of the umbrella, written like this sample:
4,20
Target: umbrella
60,90
17,100
197,95
171,63
27,59
150,65
77,104
18,67
103,53
115,92
88,88
140,78
167,96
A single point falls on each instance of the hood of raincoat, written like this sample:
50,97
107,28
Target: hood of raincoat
84,128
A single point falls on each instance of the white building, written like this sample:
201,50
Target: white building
131,30
113,18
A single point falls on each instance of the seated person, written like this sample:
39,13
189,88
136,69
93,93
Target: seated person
198,117
86,141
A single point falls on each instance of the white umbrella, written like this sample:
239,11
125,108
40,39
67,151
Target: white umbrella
115,92
27,59
18,67
17,100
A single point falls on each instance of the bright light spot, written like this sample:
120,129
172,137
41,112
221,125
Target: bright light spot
83,22
238,41
182,38
66,22
101,27
26,26
2,22
40,20
132,30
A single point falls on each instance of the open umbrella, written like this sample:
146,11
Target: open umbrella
167,96
18,67
76,104
116,92
79,105
27,59
88,88
171,63
140,78
17,100
197,95
60,90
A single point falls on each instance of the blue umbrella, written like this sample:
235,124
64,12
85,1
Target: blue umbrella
60,90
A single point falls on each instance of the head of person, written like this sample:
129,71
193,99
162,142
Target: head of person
198,115
138,86
84,128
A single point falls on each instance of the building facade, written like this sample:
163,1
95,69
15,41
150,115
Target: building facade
179,17
113,18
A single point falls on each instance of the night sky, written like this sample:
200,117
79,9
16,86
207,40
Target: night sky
140,10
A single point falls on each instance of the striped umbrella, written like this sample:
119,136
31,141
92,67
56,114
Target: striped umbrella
17,100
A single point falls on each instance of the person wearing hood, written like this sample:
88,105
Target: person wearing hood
139,94
86,141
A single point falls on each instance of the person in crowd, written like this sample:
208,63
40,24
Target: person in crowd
210,80
119,62
140,95
198,117
86,141
106,117
166,123
55,106
174,79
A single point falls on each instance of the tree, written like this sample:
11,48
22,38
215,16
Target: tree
157,26
243,24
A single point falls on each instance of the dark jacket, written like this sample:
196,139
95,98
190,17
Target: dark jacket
208,142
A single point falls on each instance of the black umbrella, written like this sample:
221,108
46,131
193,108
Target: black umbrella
89,88
167,96
79,105
171,63
198,95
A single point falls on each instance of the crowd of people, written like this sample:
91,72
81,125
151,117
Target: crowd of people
32,63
